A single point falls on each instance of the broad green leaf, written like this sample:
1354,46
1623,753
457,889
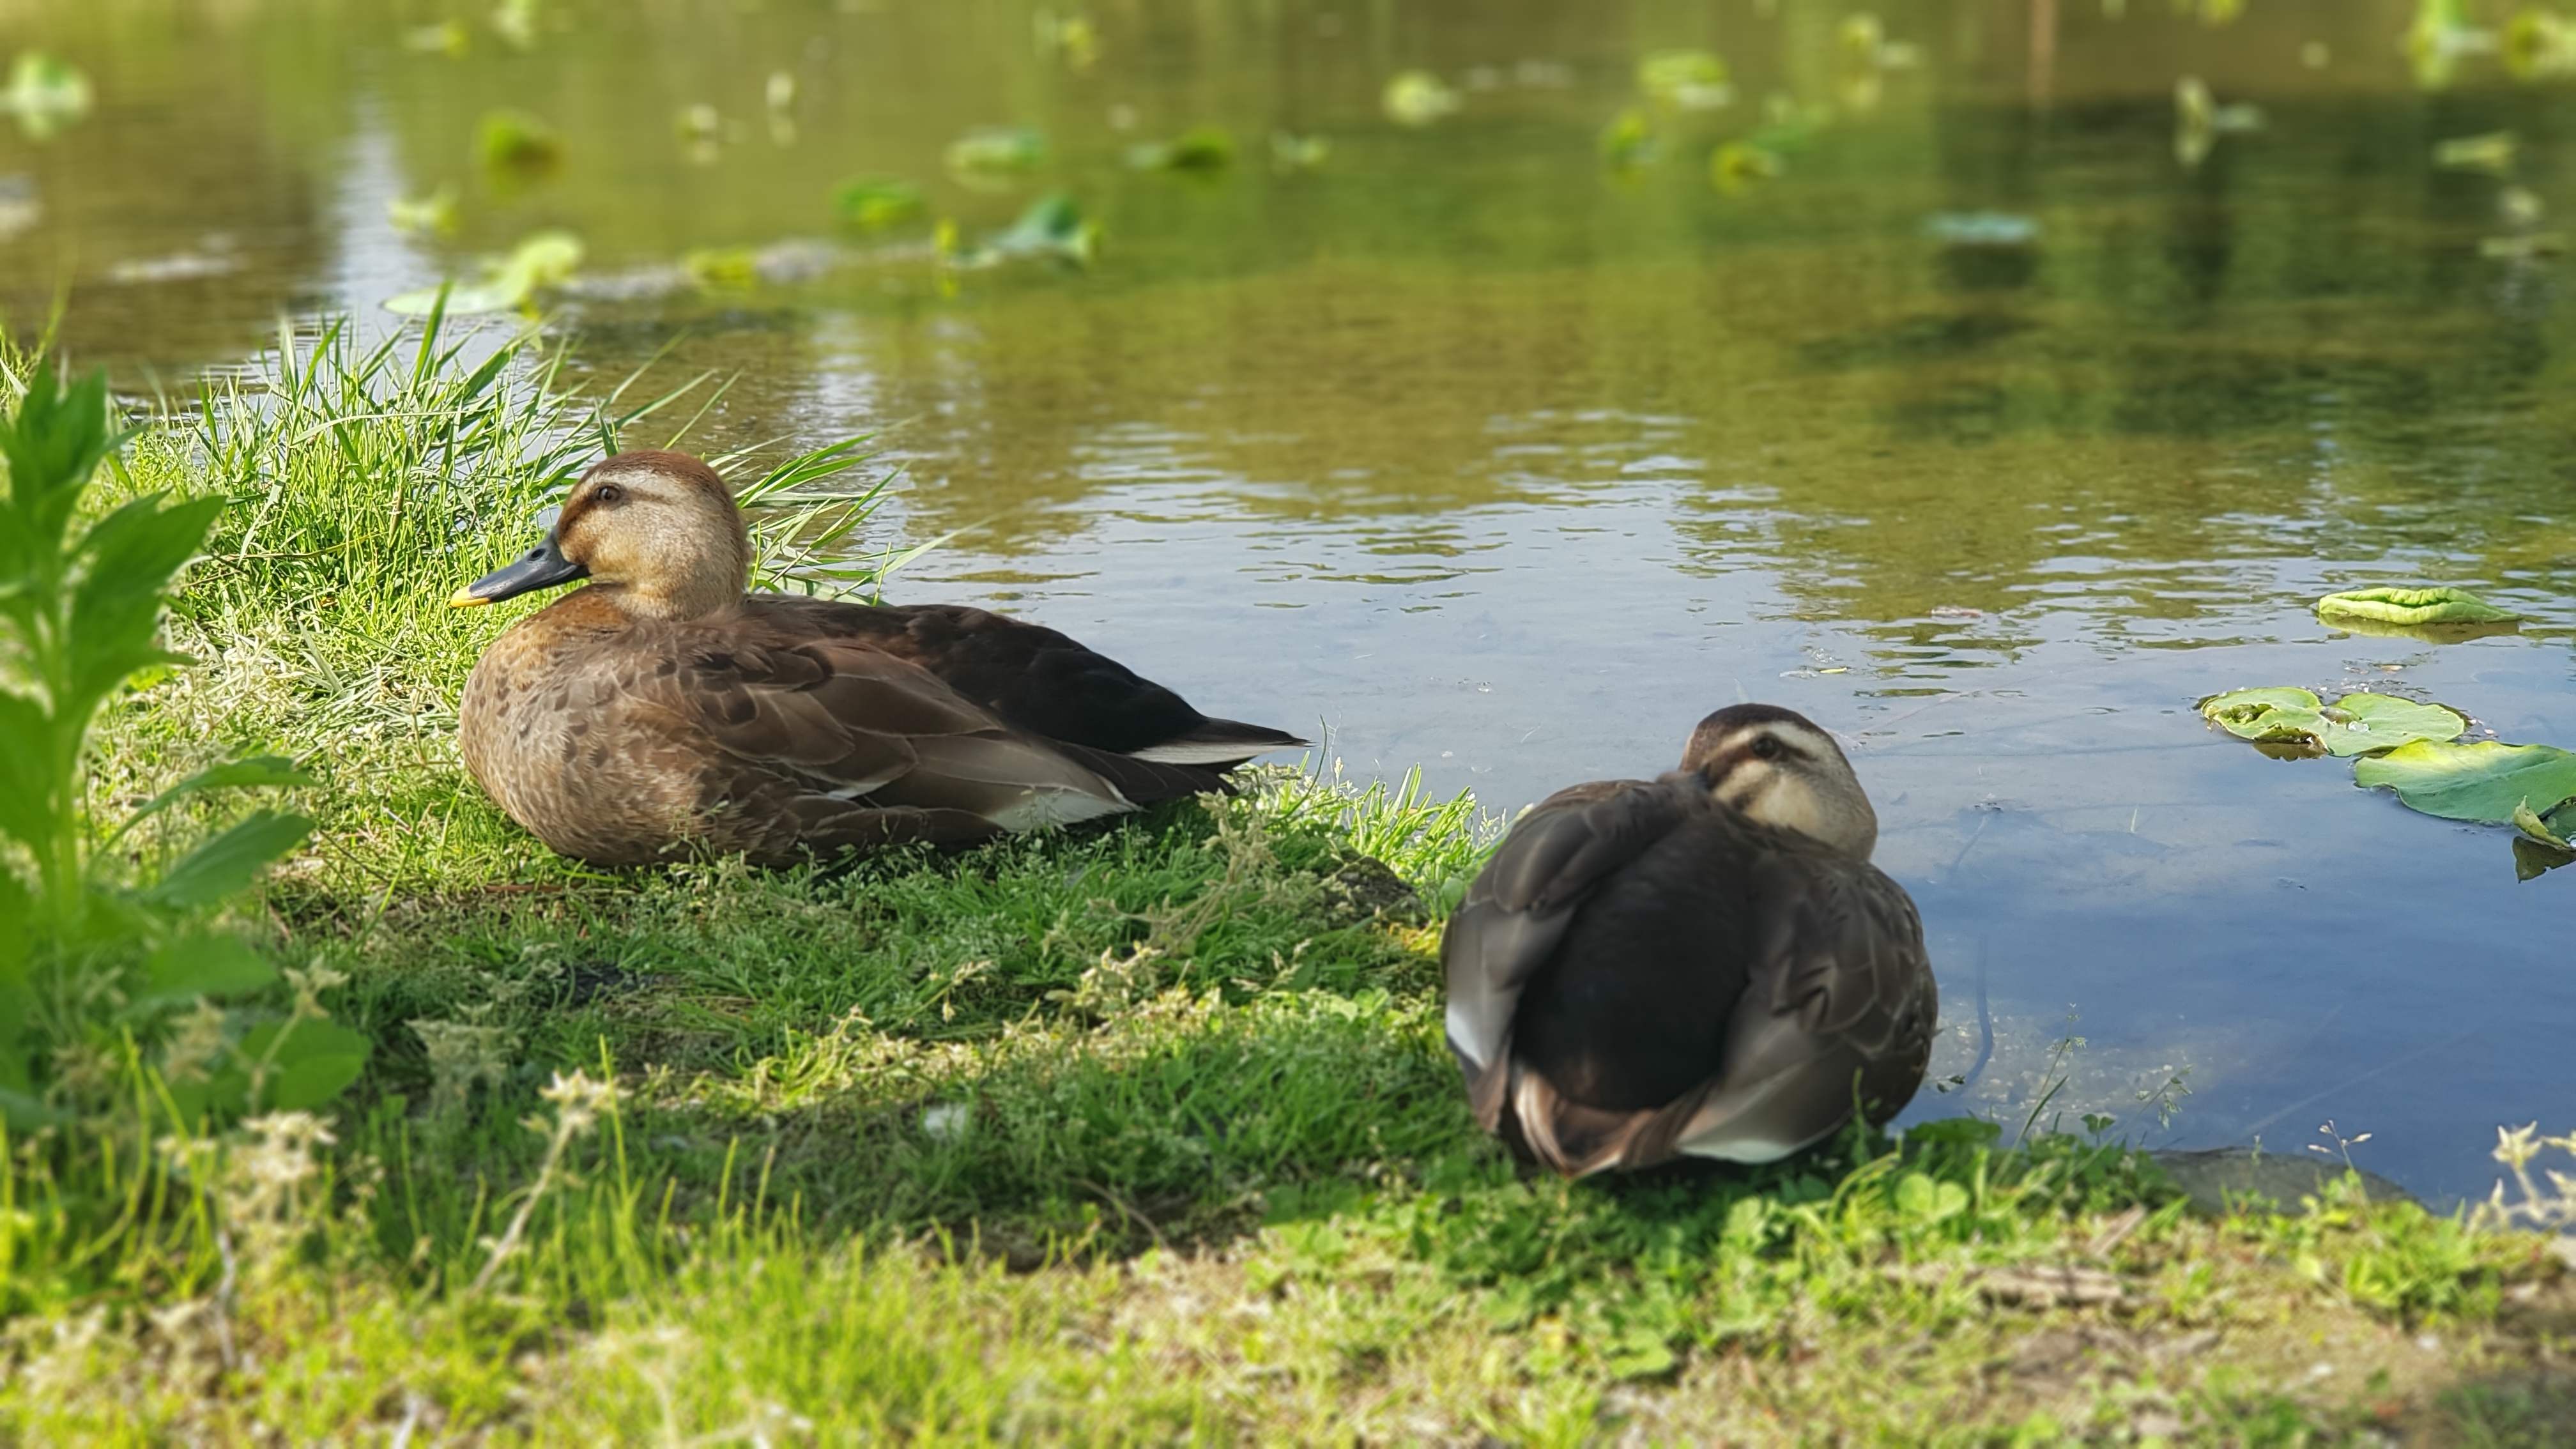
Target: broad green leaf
26,779
989,152
2357,724
2266,714
315,1062
2361,723
24,1111
52,443
869,202
2414,606
116,610
541,259
2483,781
227,863
1688,80
257,772
201,964
1417,98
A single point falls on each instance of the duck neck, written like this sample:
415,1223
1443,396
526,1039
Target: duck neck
678,599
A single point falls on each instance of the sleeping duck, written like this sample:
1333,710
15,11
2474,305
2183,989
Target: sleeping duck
1706,965
663,705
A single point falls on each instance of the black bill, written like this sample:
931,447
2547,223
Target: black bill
542,568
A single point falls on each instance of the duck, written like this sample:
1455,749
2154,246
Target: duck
664,707
1701,965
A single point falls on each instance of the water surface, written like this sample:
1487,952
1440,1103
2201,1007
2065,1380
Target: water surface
1482,455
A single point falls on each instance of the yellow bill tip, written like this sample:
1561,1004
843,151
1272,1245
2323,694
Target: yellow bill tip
465,599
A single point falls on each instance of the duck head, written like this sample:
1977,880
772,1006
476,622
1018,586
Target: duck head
657,531
1776,766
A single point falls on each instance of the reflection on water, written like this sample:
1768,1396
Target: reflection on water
1989,432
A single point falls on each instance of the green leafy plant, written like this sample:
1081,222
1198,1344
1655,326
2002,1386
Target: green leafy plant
87,959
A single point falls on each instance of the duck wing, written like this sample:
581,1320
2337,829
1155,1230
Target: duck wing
826,743
1516,913
1838,1014
1805,986
1039,680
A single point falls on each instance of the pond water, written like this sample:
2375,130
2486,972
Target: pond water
1989,432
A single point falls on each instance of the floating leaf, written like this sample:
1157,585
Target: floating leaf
2362,724
2357,724
870,202
2491,153
447,38
515,140
431,215
722,269
995,155
1684,80
45,93
2485,781
1053,226
1201,148
1628,142
1292,152
2413,607
1418,98
517,22
1738,164
2539,44
2438,36
698,122
545,259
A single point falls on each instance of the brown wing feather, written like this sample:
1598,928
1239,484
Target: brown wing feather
835,744
1842,1010
1517,910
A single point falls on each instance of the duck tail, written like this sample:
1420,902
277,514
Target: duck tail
1217,744
1144,781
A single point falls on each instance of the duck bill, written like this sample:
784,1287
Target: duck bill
543,568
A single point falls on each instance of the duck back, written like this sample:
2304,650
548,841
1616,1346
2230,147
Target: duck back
1632,1010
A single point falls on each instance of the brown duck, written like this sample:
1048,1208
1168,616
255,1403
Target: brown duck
1704,965
663,706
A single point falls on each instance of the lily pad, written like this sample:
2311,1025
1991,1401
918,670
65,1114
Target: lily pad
2486,781
2414,607
1684,80
1418,98
1053,226
542,259
2357,724
990,157
870,202
1201,148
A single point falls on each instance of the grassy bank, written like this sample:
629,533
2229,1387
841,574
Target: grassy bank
1137,1133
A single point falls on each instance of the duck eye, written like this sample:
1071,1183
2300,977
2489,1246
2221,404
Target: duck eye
610,493
1765,748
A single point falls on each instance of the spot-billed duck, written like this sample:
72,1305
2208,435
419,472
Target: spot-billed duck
1706,965
662,704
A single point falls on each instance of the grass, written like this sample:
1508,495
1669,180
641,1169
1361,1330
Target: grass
1136,1133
